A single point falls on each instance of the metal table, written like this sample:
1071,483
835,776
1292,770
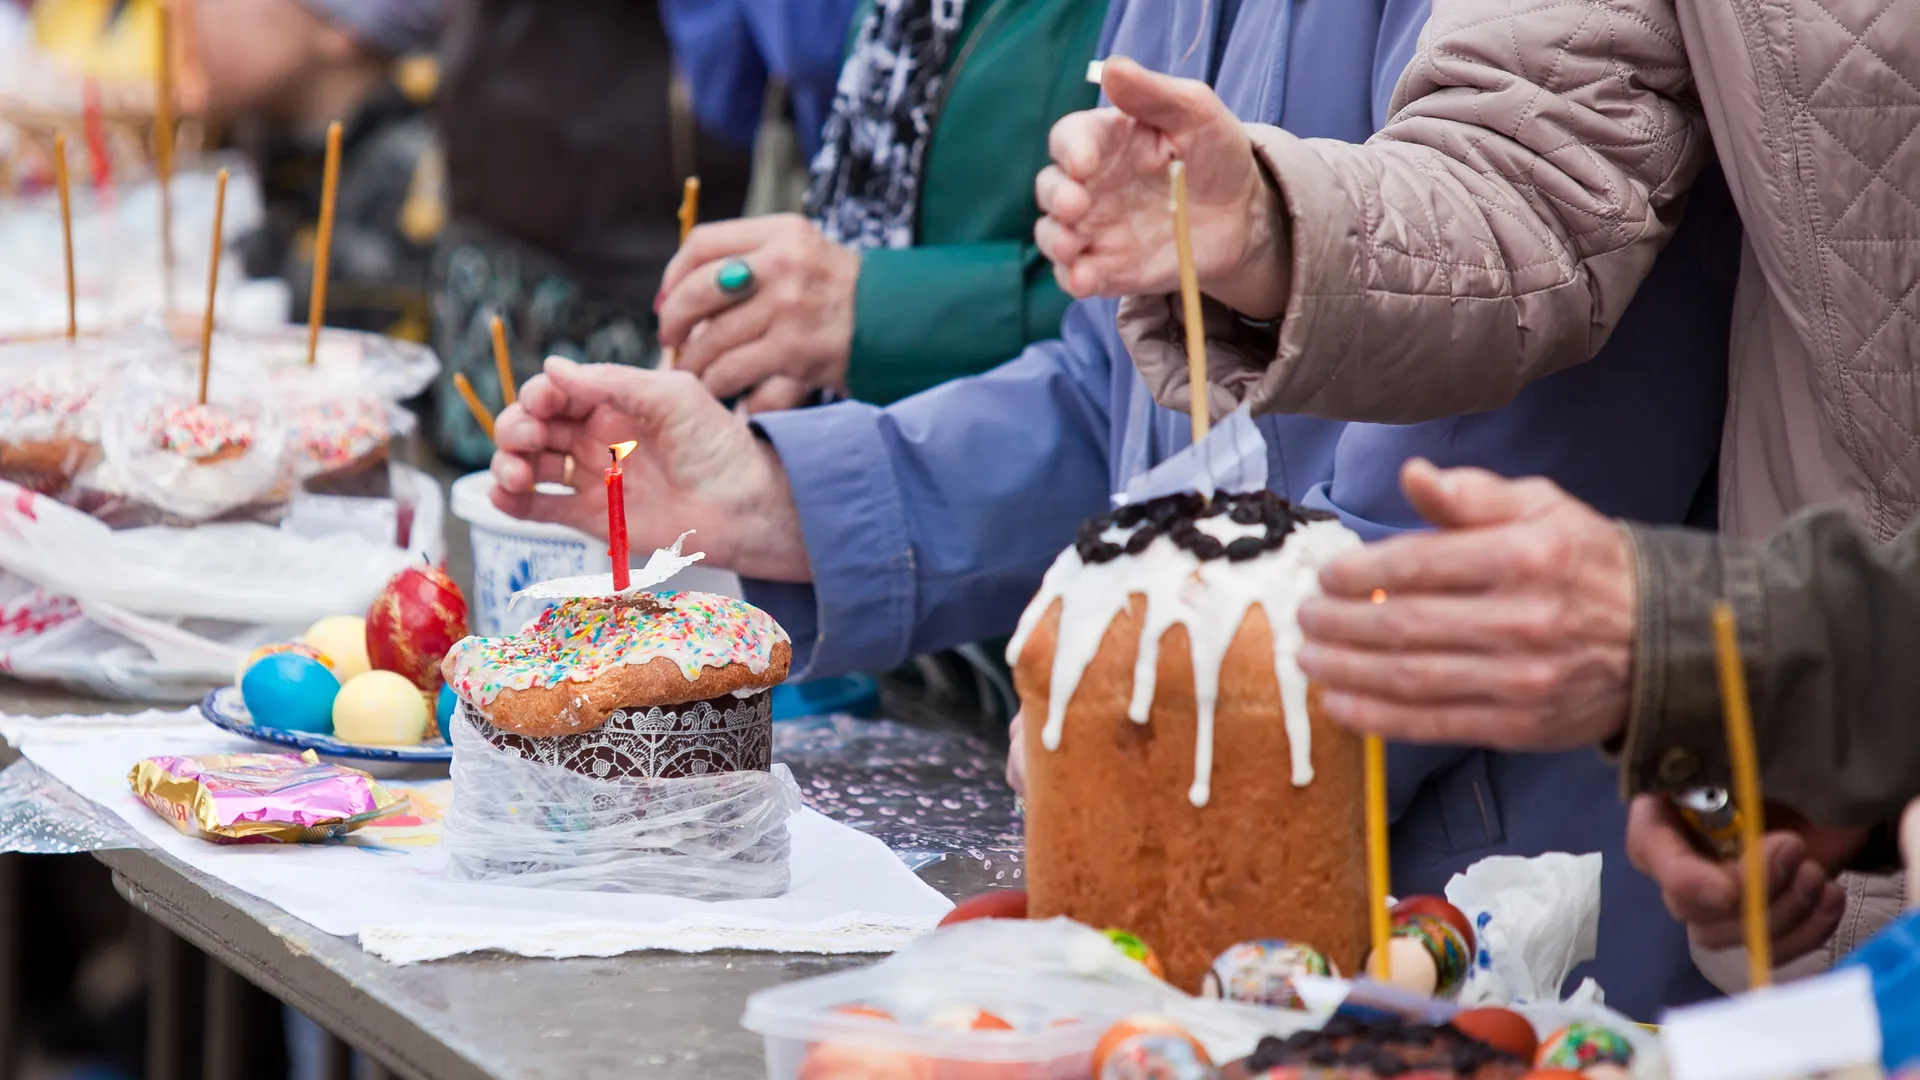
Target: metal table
486,1016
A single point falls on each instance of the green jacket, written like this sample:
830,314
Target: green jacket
973,290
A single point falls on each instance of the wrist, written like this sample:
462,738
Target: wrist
1259,283
767,541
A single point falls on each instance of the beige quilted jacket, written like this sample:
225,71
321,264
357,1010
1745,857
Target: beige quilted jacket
1538,159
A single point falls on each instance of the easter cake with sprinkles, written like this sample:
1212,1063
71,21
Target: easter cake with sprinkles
645,685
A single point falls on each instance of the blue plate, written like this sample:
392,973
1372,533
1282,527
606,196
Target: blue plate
224,709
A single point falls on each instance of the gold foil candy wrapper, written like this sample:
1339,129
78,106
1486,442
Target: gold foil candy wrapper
261,798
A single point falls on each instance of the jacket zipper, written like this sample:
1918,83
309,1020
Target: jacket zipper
953,73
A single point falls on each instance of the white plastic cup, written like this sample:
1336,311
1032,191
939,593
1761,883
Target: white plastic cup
510,554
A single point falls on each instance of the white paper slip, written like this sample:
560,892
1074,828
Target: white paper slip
1096,71
1805,1028
1232,458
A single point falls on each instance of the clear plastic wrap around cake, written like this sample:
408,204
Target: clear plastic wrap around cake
190,460
595,823
50,395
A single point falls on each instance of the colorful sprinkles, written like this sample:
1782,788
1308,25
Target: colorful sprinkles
197,432
583,638
20,402
334,434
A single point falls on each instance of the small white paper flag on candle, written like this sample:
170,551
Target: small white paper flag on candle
1810,1027
663,564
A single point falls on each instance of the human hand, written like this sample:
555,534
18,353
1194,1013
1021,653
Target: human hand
696,466
1805,905
1107,226
797,320
1512,627
1910,850
777,393
1017,757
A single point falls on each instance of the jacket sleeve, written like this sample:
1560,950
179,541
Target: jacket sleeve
1492,233
1829,625
922,527
924,315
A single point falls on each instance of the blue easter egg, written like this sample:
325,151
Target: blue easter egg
290,692
443,710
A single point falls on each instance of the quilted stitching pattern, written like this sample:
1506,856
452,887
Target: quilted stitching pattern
1845,83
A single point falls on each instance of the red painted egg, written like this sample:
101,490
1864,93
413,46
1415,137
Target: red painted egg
996,904
966,1018
1502,1029
413,622
1439,909
827,1061
1140,1024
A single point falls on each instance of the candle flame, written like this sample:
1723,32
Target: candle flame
1379,596
620,450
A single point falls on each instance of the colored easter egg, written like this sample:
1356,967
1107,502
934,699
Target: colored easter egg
1439,909
264,651
1134,1026
966,1018
833,1061
1553,1074
443,705
343,638
1133,948
380,708
1261,972
1428,956
868,1011
1581,1045
292,692
415,619
1502,1029
1157,1056
993,904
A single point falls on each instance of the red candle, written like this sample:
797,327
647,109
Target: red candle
617,516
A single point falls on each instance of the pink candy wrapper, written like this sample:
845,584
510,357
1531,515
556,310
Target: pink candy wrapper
261,798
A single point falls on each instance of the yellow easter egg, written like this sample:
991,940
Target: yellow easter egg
343,639
380,708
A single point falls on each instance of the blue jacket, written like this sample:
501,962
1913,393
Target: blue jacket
930,522
727,49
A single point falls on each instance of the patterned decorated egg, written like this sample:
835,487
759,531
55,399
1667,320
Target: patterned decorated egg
1261,972
343,638
443,706
380,708
1583,1044
1155,1056
1439,909
1133,1027
1429,956
417,617
290,691
1133,948
265,651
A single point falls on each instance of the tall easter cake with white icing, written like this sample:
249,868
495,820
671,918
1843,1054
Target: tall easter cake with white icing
1179,784
649,686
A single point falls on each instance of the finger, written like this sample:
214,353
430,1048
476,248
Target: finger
1659,846
1819,925
696,299
1059,197
1498,726
744,323
1063,277
646,398
777,393
1087,278
1430,678
1469,561
587,513
719,240
512,473
1076,141
745,368
1057,243
1792,905
1166,102
1438,622
541,398
1461,498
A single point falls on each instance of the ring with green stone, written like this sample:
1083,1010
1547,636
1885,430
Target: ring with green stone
734,279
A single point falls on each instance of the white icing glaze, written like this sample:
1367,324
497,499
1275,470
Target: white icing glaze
1211,599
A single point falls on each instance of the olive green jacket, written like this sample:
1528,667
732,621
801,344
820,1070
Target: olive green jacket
973,290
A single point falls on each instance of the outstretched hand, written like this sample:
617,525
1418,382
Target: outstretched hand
1107,224
696,466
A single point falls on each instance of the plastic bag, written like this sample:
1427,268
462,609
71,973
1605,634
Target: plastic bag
1536,920
519,822
196,461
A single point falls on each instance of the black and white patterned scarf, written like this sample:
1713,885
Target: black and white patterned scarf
866,178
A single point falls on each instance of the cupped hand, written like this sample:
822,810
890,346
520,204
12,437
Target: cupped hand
796,322
695,466
1107,224
1804,904
1510,627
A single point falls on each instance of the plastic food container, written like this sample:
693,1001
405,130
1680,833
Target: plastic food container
1055,1027
510,554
